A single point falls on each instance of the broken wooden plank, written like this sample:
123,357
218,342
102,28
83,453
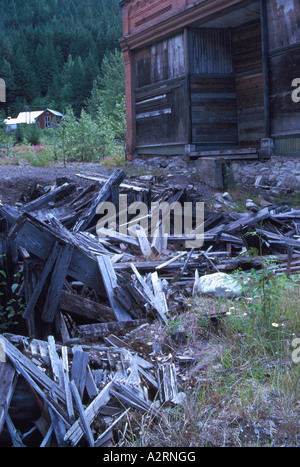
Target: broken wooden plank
68,395
46,397
114,341
47,439
82,415
75,432
104,329
41,282
29,370
60,271
79,368
86,218
90,384
128,396
39,239
56,363
110,282
7,386
14,433
54,195
103,437
104,180
84,307
150,297
280,240
247,220
115,236
58,427
168,381
159,293
143,241
170,261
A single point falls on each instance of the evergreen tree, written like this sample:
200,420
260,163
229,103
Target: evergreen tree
37,40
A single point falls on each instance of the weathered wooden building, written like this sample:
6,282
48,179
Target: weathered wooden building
207,75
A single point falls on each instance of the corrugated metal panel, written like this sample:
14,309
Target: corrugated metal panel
211,51
287,146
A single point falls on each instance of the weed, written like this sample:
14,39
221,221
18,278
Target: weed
13,306
117,160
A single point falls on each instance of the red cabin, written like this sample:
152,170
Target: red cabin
47,118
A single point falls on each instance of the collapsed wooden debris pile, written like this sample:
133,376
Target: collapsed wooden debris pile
83,291
83,392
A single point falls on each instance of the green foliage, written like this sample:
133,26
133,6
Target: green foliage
264,288
52,51
41,155
33,134
19,134
89,138
107,102
14,306
101,129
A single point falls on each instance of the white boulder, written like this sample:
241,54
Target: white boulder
219,285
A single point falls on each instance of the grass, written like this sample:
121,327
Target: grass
243,389
117,160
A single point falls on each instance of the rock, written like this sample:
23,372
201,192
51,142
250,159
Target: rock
60,181
251,205
146,178
219,285
227,196
264,203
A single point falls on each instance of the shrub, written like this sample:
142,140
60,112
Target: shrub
19,134
34,134
39,156
13,305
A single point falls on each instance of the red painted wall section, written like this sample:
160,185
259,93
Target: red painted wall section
130,105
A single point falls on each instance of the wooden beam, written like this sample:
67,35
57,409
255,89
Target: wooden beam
104,329
81,306
39,287
110,283
39,239
59,275
7,386
86,218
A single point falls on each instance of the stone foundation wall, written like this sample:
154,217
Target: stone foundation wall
279,173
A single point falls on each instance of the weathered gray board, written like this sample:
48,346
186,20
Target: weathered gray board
7,378
39,239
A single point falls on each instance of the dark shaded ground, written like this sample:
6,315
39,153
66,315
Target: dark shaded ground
17,181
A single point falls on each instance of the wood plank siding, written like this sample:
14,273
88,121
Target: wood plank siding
214,117
211,74
160,93
284,34
247,65
212,89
